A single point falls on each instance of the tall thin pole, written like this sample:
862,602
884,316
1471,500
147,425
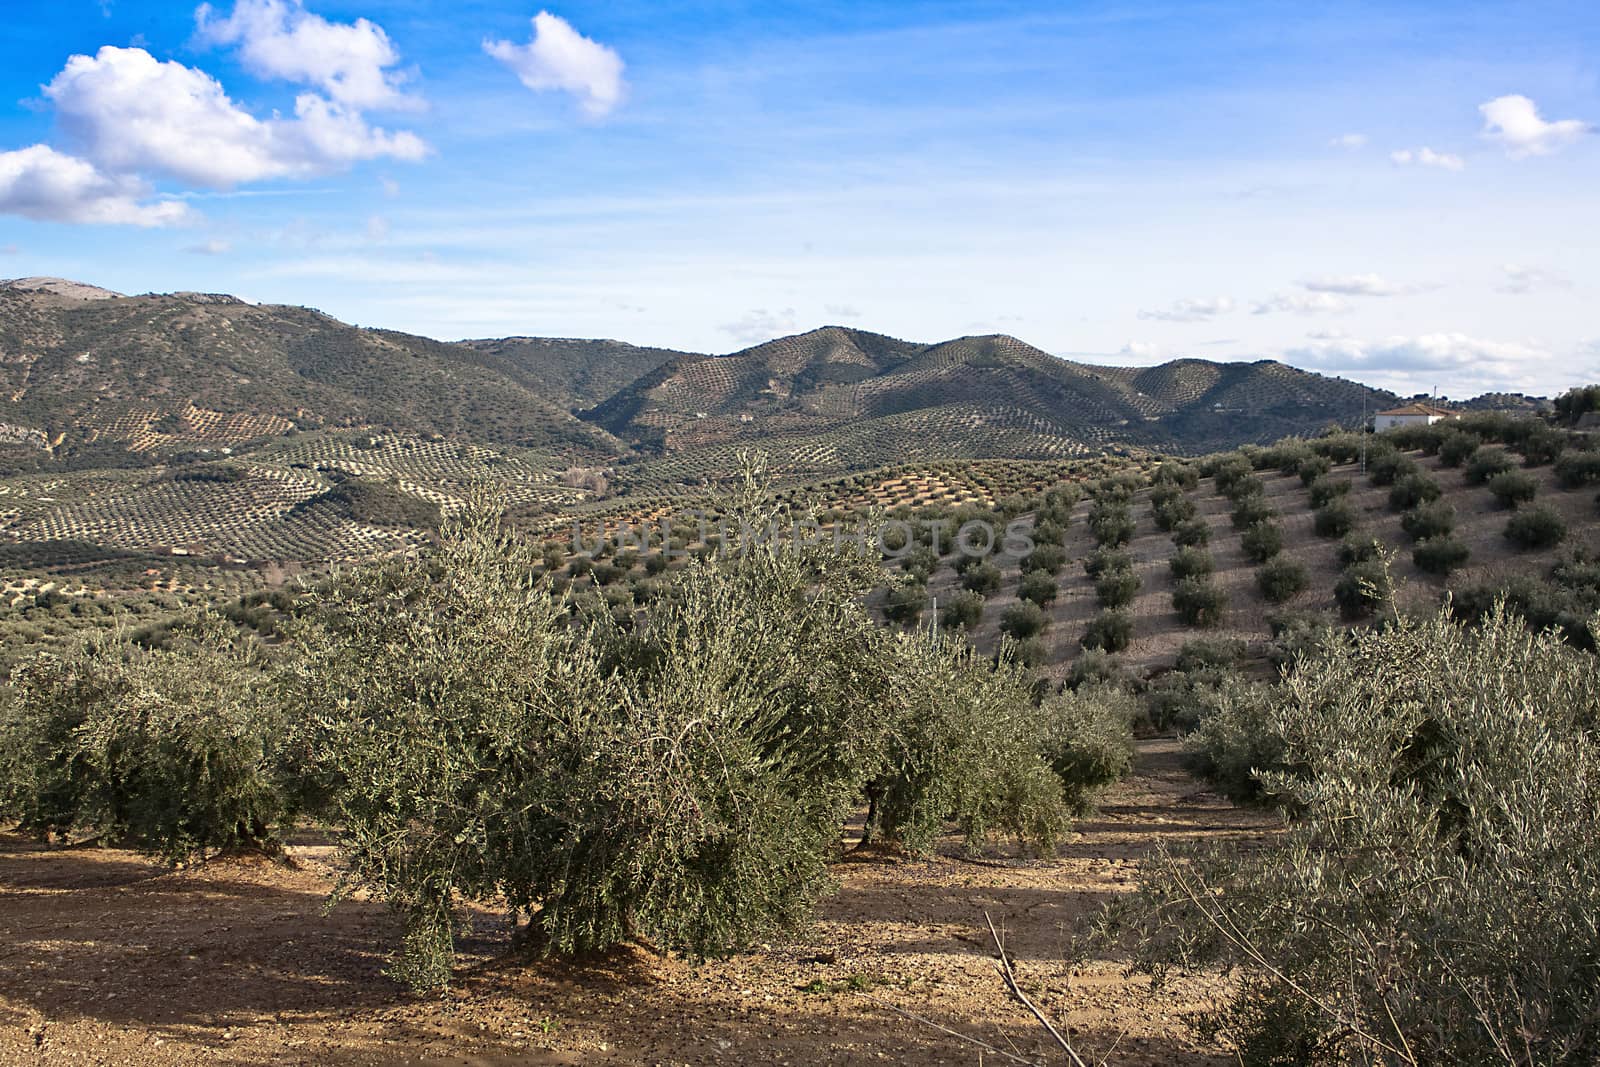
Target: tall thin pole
1363,431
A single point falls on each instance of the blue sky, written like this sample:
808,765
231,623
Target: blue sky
1398,192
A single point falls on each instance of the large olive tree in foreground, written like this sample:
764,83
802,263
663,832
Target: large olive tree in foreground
1436,895
682,780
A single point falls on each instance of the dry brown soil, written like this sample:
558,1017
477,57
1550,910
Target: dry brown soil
106,958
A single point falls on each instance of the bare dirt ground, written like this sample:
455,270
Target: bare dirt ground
106,958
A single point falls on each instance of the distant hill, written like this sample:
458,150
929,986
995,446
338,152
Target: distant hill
572,372
81,366
198,427
835,378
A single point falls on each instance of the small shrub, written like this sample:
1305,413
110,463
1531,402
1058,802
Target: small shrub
1457,448
1245,488
1574,470
1412,491
1096,667
1031,653
1205,653
1363,589
1262,541
1037,586
1112,524
1109,631
1172,511
1045,557
1439,555
1281,579
1536,528
1117,589
1541,446
1199,602
904,603
1359,548
1192,533
1325,491
1091,741
1431,520
1190,562
1181,475
1312,468
981,578
1107,559
1513,488
1386,468
1023,620
1250,510
963,609
1486,463
1228,470
1336,519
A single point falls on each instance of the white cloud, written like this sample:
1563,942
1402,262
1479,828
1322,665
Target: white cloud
1455,362
1142,352
1350,142
1194,309
41,183
761,325
1427,157
1351,285
559,57
1309,303
377,229
280,39
1520,280
1514,123
213,247
134,114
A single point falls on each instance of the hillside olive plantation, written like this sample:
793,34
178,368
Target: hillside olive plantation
840,700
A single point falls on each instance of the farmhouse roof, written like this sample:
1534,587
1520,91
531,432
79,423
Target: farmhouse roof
1420,409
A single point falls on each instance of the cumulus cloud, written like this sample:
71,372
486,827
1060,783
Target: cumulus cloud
130,113
1514,123
1315,302
1351,285
1350,142
41,183
1520,280
1447,359
349,62
1194,309
210,248
559,57
761,325
1427,157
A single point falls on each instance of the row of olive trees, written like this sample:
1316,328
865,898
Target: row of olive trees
682,779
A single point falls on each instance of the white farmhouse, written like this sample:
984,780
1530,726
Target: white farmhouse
1410,415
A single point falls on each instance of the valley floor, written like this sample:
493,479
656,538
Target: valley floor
106,958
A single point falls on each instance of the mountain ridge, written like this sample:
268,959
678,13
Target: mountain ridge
81,365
